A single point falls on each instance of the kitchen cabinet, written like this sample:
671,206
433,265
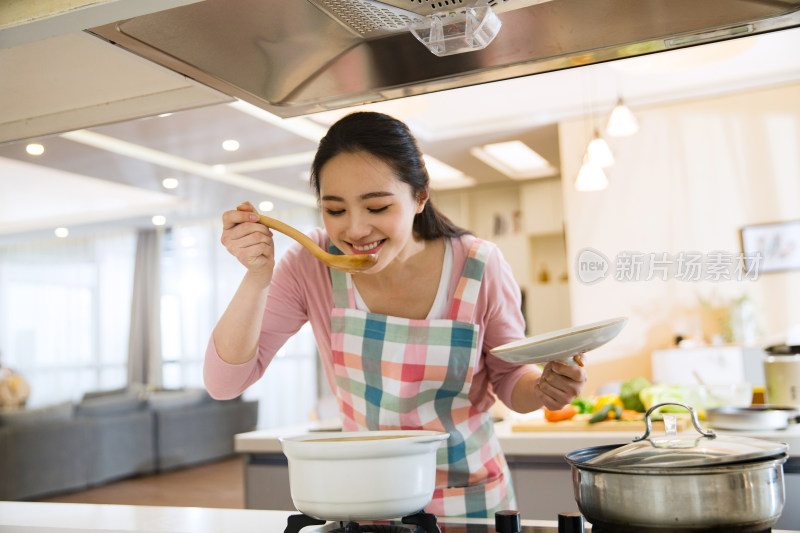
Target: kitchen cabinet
542,204
526,221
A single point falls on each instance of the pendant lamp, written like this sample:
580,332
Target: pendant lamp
622,121
591,177
599,152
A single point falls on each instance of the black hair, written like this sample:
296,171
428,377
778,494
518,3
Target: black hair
391,141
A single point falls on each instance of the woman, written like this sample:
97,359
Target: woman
405,344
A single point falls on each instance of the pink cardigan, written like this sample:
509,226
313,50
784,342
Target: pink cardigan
300,292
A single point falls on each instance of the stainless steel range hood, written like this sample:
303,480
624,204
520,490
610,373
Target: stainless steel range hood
293,57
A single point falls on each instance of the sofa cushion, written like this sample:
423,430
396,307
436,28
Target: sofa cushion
173,399
113,404
61,411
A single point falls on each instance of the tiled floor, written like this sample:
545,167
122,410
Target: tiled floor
219,484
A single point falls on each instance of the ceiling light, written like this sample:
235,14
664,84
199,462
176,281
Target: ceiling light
35,149
443,176
159,220
230,145
598,152
266,206
61,233
591,177
169,183
622,121
439,171
515,159
164,115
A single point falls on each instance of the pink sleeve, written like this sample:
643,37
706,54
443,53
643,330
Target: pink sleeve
498,311
296,275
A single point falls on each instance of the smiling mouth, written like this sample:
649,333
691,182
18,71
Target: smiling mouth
369,248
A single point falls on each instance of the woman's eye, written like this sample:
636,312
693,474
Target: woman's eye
378,209
334,212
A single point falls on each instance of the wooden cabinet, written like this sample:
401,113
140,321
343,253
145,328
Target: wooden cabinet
526,222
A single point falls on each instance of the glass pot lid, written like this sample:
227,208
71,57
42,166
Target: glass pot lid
680,451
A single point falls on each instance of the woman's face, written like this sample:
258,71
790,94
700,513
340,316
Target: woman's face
367,209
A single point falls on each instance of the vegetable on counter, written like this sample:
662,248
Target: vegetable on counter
602,401
629,393
609,410
584,405
565,413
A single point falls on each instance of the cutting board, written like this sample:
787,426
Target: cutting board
583,425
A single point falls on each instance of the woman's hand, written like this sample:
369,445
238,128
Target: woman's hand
559,384
249,241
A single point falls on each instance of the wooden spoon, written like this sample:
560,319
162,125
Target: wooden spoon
347,263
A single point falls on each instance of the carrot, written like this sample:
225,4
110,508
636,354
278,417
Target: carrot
565,413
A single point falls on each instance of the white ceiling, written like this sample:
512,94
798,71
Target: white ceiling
129,158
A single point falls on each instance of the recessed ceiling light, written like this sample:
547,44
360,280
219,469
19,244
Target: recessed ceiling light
439,171
443,176
61,233
170,183
159,220
35,149
515,159
266,206
230,145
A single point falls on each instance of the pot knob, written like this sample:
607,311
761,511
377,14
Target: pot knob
507,522
570,523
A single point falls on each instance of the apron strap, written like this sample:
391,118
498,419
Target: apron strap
466,295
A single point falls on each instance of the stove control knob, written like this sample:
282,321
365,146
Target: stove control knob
507,522
570,523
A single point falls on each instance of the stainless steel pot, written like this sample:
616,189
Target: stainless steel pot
681,483
362,475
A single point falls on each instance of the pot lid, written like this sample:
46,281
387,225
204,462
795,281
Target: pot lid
681,451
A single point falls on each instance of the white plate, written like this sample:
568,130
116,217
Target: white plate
560,345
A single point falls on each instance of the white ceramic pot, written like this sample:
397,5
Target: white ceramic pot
782,377
363,475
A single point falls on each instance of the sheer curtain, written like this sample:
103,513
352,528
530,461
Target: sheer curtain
65,313
198,279
144,347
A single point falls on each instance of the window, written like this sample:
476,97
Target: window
64,314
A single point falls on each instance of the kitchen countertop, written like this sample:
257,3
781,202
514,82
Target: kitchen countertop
34,517
538,444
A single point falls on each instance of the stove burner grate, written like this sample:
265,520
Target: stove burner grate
420,522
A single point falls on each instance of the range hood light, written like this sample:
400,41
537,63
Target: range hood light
453,32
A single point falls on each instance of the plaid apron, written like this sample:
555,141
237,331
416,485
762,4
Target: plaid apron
398,373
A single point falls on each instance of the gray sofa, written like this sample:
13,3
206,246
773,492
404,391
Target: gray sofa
113,435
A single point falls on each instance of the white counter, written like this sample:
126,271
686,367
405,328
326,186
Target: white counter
30,517
557,443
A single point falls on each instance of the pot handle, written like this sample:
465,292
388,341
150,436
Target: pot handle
695,421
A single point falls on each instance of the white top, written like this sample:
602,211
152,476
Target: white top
439,307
